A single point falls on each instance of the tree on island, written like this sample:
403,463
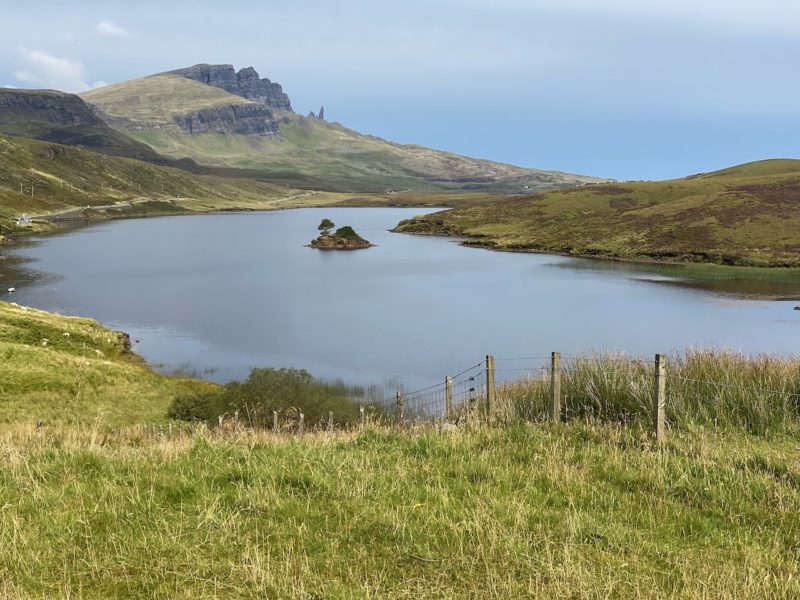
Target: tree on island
326,225
346,232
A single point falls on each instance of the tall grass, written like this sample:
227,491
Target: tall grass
578,511
759,394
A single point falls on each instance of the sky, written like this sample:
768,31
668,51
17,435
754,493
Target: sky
630,89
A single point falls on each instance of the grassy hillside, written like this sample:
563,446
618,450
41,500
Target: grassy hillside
309,150
155,100
68,370
39,177
746,215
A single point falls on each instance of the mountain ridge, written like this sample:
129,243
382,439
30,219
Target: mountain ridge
246,83
177,113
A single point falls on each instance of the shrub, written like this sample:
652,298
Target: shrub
197,406
346,232
267,390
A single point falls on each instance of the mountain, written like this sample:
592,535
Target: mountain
54,116
744,215
245,83
219,117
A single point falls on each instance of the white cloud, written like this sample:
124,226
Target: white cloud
44,69
111,29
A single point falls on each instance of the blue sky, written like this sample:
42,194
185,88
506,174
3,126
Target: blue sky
622,88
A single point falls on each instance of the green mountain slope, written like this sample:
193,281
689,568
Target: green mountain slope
39,177
154,101
184,118
65,119
745,215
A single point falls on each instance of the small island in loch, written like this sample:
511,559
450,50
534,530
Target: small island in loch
344,238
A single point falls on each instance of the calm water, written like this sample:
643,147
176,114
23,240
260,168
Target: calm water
219,294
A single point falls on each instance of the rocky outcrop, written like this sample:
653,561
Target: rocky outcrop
344,239
245,83
65,119
245,119
57,108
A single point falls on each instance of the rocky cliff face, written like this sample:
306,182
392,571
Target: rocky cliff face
23,108
242,119
65,119
245,83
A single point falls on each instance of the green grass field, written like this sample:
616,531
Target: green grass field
744,216
580,511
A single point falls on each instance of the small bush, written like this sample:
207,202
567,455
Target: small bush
197,406
346,232
287,391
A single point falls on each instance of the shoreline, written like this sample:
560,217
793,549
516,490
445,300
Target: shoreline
683,280
472,242
59,225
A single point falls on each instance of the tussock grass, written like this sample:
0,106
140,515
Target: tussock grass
580,511
704,387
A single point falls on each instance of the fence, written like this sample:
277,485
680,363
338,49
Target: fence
472,395
704,387
699,387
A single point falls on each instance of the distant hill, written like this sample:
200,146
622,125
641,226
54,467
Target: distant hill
223,118
744,215
38,177
63,118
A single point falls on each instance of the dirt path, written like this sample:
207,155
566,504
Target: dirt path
287,198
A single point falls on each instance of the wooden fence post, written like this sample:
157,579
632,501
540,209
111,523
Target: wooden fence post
659,396
330,422
448,398
399,406
361,416
555,387
490,391
301,425
275,421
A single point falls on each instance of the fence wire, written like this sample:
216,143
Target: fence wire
615,388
